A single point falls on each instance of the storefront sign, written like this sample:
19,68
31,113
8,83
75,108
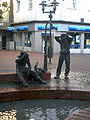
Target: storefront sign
42,27
10,29
22,28
79,28
75,46
28,44
48,34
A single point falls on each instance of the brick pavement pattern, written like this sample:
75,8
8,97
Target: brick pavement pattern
79,62
82,115
79,74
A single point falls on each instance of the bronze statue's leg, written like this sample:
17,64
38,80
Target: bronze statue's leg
40,80
20,75
67,62
60,62
36,77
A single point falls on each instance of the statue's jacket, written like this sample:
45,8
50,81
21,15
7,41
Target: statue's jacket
22,63
65,42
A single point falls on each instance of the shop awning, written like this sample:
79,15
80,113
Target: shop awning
48,34
42,27
79,28
10,29
22,28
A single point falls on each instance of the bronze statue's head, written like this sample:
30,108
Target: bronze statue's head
64,36
23,52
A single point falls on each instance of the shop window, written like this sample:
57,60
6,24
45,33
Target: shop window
48,41
43,43
30,4
28,40
19,39
18,5
76,41
87,41
74,4
70,4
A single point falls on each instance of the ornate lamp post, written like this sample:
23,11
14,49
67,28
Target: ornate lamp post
49,48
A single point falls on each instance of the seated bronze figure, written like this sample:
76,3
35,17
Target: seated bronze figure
23,66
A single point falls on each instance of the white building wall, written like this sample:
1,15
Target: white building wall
38,42
24,14
81,11
63,12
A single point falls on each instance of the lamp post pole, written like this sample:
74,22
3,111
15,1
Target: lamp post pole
48,49
50,39
46,46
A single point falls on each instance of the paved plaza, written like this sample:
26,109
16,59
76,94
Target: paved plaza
79,76
79,62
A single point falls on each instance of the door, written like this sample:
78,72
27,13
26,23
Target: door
3,42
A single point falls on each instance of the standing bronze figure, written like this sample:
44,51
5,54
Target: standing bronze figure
23,66
65,41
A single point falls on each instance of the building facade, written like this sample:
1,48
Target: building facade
5,21
28,27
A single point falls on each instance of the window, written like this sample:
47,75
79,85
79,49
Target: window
74,4
19,39
28,40
76,40
30,4
87,41
70,4
18,5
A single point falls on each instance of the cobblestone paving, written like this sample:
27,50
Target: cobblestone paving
76,80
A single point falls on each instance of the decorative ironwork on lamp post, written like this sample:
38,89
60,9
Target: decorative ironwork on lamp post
48,49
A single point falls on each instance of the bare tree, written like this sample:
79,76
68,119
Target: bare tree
4,7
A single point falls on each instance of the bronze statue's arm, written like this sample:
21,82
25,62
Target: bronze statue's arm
20,58
58,39
70,39
28,63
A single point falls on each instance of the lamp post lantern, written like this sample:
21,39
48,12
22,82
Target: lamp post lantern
49,48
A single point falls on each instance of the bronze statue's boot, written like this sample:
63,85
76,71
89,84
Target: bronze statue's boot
66,77
67,80
38,78
41,81
56,77
25,84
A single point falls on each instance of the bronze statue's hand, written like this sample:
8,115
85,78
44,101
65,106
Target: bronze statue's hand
16,60
70,36
55,37
29,68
